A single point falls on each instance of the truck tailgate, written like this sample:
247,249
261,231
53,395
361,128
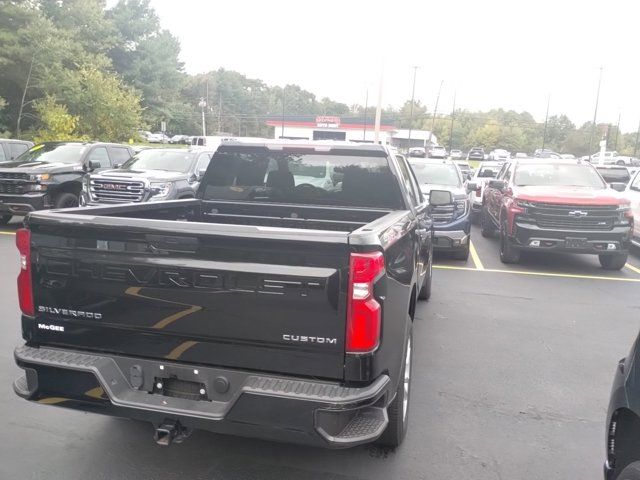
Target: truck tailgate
269,304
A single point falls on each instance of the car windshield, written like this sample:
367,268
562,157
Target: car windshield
614,174
557,174
53,153
488,171
337,177
169,160
437,174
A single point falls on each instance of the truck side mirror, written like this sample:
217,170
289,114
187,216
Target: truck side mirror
91,165
618,186
471,186
497,184
200,174
440,198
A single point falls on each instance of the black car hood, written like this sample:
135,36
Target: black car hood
39,167
152,175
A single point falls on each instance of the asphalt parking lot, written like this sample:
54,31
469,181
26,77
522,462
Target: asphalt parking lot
512,374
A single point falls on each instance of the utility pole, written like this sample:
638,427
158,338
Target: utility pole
366,105
615,142
595,112
376,136
282,134
202,106
435,111
453,113
635,148
546,120
220,113
413,92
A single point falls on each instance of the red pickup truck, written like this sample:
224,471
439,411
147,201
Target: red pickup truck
557,206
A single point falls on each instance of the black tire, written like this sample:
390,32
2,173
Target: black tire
487,228
508,252
620,162
630,472
461,254
613,262
425,291
4,219
398,410
66,200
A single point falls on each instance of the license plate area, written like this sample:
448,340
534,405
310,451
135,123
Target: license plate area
573,242
174,387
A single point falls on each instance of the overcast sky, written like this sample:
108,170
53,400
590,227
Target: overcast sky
493,53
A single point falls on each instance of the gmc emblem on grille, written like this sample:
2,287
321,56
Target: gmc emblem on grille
578,213
114,186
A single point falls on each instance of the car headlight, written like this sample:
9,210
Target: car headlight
39,177
160,190
461,207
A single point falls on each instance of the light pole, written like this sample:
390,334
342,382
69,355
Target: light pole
615,142
546,120
413,92
595,112
435,111
366,105
453,114
203,105
282,135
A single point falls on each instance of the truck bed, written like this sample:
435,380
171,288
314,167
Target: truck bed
252,286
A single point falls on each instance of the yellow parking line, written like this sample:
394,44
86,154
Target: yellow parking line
7,233
539,274
632,268
475,257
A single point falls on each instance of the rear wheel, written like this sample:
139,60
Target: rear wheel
508,252
613,262
398,410
66,200
620,162
487,228
4,219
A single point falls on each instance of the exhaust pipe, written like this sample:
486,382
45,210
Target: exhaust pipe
170,431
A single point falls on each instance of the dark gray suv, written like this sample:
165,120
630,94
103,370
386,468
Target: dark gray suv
151,175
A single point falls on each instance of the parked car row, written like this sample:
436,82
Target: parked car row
68,174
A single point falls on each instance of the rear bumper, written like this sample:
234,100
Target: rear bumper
23,204
235,402
595,241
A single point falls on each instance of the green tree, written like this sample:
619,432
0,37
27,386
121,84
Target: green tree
147,57
416,121
55,122
107,109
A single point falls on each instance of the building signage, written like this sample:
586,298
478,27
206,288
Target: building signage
325,121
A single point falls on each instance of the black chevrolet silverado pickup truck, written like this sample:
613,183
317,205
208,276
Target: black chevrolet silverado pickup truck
266,307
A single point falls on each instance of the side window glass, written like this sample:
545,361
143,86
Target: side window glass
406,178
17,149
100,155
636,182
3,158
203,162
119,155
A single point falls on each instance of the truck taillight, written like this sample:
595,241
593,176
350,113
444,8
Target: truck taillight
363,311
25,289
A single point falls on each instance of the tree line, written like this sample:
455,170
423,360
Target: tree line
75,69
